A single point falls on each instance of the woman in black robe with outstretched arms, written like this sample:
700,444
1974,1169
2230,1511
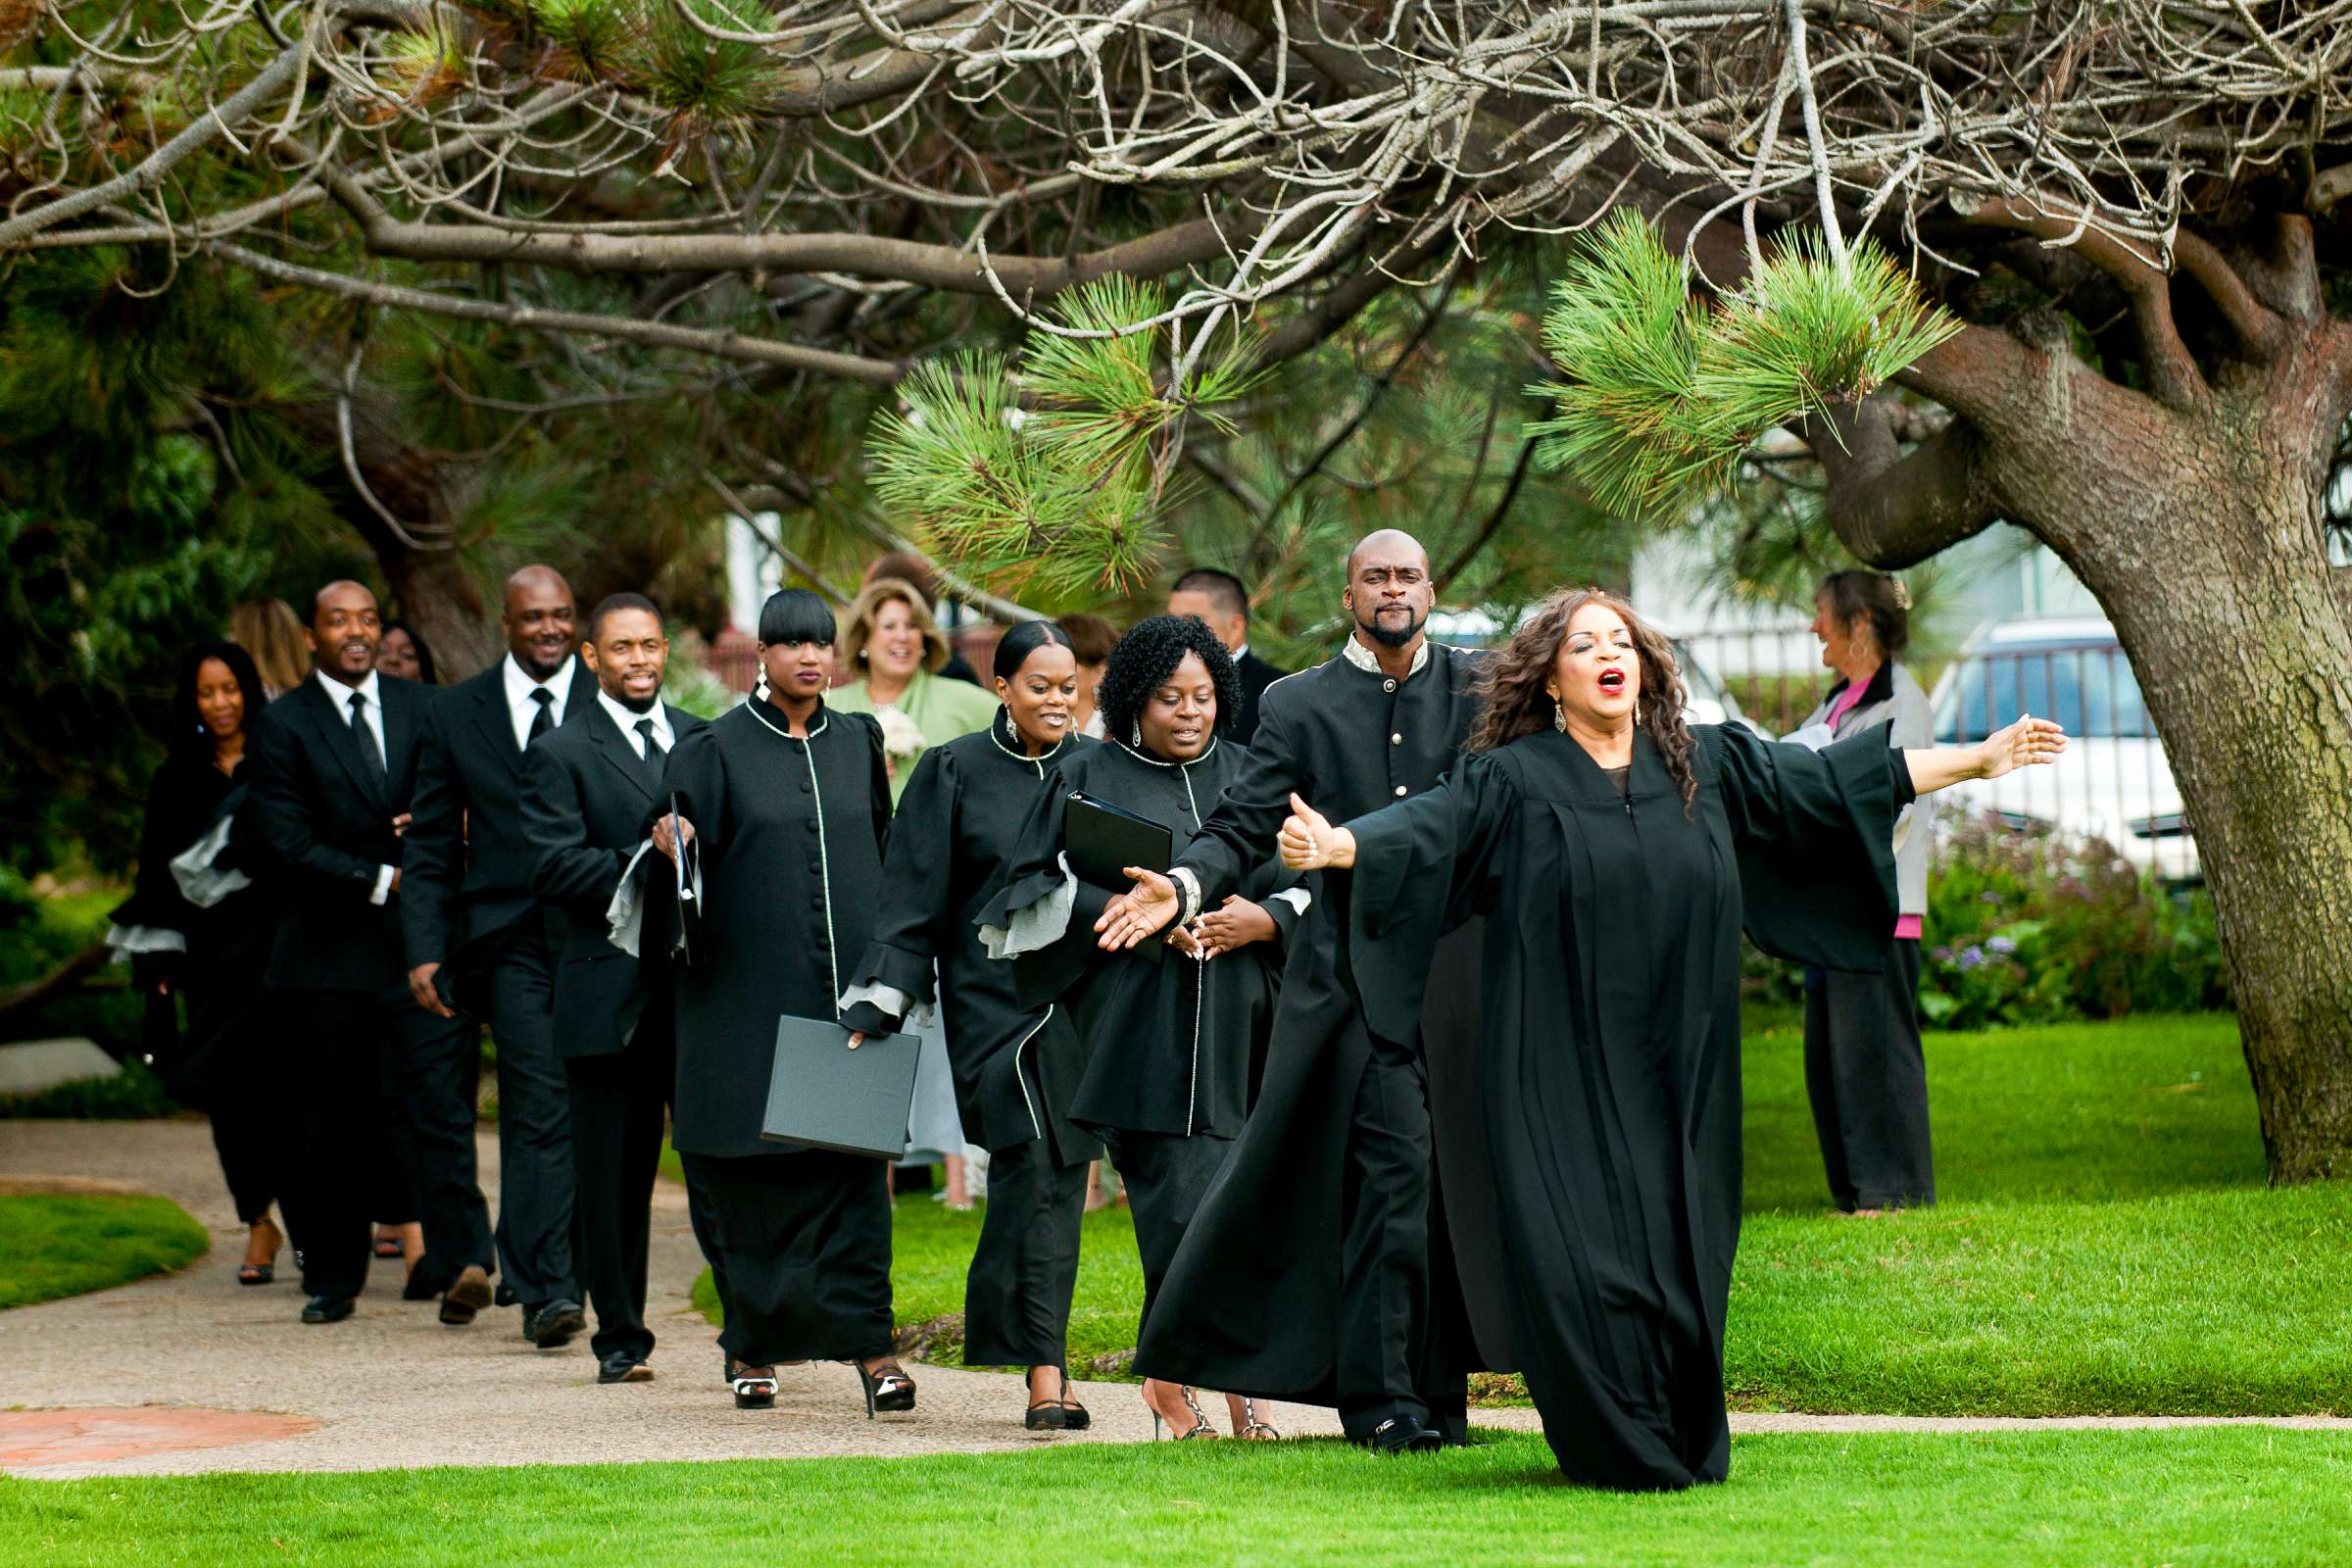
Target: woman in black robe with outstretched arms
1175,1048
790,803
1016,1065
1618,852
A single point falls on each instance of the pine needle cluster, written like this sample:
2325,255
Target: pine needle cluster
1661,394
1046,476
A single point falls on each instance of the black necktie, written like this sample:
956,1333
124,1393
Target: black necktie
547,713
652,750
367,738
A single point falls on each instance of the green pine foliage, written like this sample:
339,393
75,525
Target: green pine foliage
1045,474
1661,395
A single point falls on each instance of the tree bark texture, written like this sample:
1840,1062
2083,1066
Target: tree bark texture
2196,522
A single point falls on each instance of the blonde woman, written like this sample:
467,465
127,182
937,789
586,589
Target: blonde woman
889,638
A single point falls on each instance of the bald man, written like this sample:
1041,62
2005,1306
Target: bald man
477,944
1317,1268
330,774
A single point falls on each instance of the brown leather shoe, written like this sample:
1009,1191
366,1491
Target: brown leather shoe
466,1295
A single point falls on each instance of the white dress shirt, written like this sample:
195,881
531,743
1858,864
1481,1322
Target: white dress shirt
628,719
522,709
372,715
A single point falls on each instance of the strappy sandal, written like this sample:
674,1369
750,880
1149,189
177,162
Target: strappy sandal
1252,1427
754,1386
1061,1414
256,1273
1199,1427
887,1388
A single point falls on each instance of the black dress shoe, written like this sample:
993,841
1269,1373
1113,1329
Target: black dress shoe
327,1308
465,1297
506,1295
1404,1434
624,1366
555,1324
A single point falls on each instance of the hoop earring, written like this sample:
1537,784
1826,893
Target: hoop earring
1559,715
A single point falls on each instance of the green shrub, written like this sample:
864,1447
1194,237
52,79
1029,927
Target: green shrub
2037,928
137,1094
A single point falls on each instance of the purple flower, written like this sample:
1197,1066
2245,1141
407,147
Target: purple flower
1971,957
1942,955
2000,945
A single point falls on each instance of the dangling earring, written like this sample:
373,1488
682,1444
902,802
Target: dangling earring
1637,716
1137,739
1559,715
1013,731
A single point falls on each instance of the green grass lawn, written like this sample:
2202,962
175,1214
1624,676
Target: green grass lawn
2105,1245
63,1243
2105,1111
2193,1499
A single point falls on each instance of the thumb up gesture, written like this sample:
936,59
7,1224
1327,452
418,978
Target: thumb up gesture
1308,842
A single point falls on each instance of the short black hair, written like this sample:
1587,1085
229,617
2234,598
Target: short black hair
1144,660
1023,638
425,675
1222,587
188,734
617,602
795,615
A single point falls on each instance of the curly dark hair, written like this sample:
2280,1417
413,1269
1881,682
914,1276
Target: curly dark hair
1516,705
1148,656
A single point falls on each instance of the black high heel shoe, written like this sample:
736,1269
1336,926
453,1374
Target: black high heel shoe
887,1388
1058,1414
754,1386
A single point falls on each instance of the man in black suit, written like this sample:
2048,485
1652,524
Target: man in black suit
477,941
1218,600
332,765
589,785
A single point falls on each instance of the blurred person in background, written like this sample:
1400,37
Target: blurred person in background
198,925
273,637
404,653
1865,1071
1092,638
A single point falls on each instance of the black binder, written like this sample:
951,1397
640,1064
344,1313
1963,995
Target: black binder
822,1094
1101,839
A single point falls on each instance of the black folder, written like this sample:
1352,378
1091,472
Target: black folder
822,1094
1101,839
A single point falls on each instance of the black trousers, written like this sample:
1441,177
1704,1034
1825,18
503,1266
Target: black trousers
443,1071
617,1106
250,1097
807,1242
1017,1296
1867,1077
358,1160
535,1182
1384,1327
1165,1176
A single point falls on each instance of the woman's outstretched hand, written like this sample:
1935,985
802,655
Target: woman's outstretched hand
1309,843
2027,743
1143,911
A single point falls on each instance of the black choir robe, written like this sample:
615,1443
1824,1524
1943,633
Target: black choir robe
785,908
1604,1036
1175,1048
1251,1302
791,831
1018,1067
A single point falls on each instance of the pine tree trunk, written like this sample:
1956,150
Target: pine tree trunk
2207,555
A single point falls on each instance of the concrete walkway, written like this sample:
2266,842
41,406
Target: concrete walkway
111,1383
